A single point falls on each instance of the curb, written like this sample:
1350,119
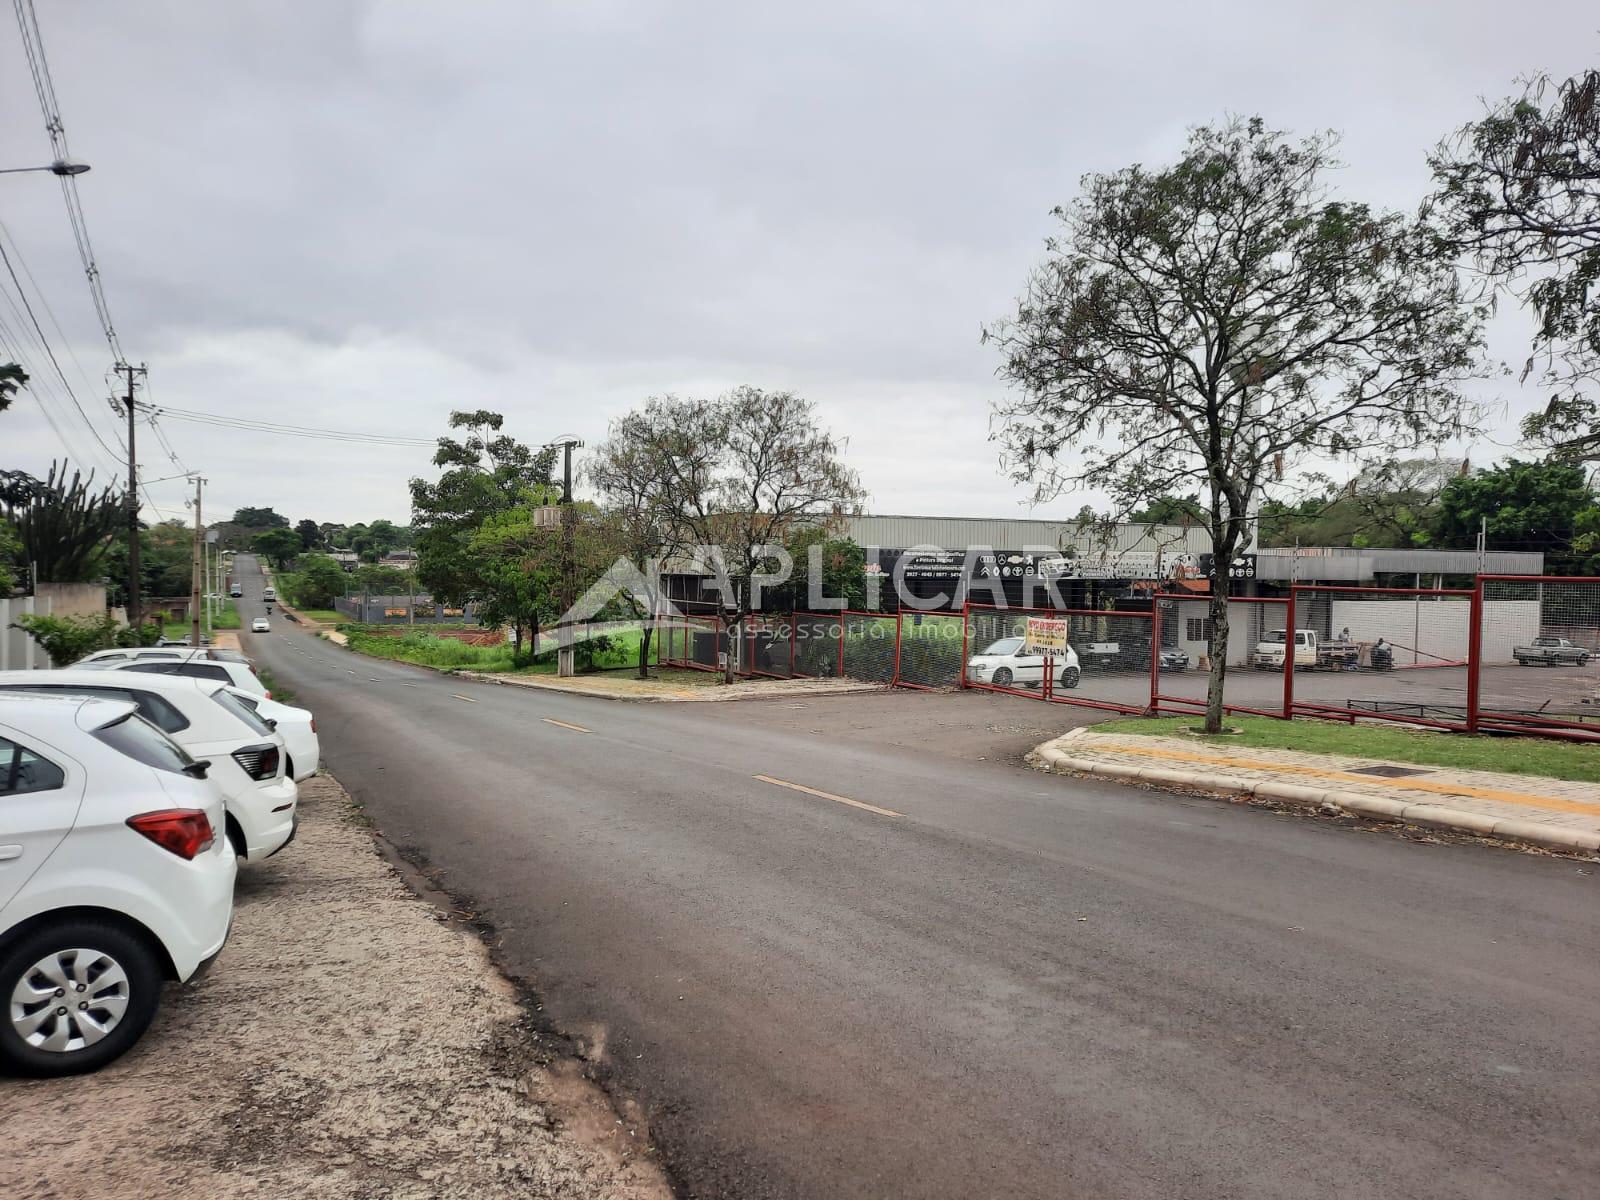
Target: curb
1051,757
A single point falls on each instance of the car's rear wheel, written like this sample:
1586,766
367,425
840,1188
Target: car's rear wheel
1070,677
77,994
1002,677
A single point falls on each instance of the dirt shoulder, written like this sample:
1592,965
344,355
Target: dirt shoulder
352,1041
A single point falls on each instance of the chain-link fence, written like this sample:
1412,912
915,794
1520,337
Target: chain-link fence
1537,661
1254,658
931,650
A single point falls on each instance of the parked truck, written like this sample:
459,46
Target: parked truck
1310,651
1552,652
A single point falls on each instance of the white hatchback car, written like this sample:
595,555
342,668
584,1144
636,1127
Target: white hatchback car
234,674
113,876
203,716
1003,664
261,625
296,726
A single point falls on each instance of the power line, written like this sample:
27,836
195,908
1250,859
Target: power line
44,87
304,431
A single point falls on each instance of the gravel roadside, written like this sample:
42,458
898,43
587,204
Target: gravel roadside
350,1042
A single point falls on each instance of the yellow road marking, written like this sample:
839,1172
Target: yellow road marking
458,696
1526,800
564,725
800,787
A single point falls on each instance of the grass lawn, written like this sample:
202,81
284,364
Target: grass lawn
226,617
1483,752
325,616
426,650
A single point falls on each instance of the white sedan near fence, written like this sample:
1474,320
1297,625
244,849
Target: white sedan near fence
1004,664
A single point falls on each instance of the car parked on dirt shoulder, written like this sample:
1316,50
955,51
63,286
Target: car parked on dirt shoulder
234,674
113,877
247,757
296,726
1552,652
1003,664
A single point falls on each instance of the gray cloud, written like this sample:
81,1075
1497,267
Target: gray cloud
363,215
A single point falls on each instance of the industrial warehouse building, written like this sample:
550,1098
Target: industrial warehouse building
944,561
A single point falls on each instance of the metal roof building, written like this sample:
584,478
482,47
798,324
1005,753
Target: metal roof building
1012,533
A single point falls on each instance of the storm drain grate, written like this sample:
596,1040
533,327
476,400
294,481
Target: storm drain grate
1389,772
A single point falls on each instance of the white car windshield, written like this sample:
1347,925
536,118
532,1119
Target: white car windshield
1004,646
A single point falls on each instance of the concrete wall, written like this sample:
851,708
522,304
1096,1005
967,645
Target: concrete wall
1245,623
73,599
18,651
1435,631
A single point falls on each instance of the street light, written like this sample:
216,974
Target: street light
61,166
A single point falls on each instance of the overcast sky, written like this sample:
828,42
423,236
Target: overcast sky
363,215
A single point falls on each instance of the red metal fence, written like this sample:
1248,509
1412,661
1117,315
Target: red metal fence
1513,654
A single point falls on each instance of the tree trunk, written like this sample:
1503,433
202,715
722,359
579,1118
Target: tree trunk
533,638
516,644
732,636
645,632
1223,541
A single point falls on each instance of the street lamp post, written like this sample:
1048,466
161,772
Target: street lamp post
61,166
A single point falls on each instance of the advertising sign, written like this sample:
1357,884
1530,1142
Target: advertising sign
1046,636
1244,566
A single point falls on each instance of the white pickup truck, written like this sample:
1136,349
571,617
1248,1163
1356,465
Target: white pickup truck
1309,651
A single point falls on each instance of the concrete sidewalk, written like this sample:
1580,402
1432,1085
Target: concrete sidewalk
618,685
1547,812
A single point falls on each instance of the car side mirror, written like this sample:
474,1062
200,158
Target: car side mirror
197,770
272,722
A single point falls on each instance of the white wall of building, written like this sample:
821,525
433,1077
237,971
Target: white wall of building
1432,631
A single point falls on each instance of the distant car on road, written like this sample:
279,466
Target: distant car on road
269,593
261,625
236,591
115,876
1004,664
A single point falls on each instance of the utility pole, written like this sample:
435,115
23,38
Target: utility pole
564,650
134,608
197,580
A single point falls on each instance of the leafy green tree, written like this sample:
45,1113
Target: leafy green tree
486,473
310,534
65,528
281,545
318,581
1171,510
10,559
12,377
382,581
1518,192
166,562
1216,323
67,639
1549,507
838,563
260,518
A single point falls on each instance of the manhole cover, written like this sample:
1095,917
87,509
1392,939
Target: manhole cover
1389,772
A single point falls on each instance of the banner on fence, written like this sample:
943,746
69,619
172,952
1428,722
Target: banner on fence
1045,635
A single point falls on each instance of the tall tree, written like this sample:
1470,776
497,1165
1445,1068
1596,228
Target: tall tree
310,534
260,518
281,545
1215,324
1518,192
1550,507
486,472
740,476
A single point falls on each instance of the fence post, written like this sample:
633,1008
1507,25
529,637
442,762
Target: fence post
791,643
1155,653
1289,655
1474,652
966,618
840,672
899,620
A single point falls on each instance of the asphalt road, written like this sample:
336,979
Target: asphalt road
1018,986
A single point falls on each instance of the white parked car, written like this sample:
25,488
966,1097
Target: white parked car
1003,664
261,625
247,757
234,674
296,726
114,876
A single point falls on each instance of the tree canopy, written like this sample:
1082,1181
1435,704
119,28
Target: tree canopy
1223,322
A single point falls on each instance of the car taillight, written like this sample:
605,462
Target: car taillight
259,762
184,831
313,724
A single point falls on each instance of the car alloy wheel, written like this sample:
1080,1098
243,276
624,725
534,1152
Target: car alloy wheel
1002,677
1070,677
76,996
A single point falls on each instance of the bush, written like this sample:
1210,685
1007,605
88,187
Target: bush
67,639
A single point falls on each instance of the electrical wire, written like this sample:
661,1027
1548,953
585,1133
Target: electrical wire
44,87
305,431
